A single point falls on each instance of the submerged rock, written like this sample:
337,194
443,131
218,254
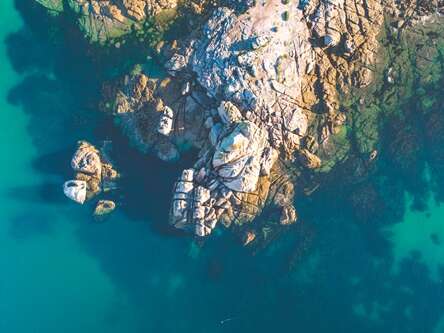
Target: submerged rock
54,6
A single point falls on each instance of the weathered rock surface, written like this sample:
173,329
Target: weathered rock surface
93,173
257,93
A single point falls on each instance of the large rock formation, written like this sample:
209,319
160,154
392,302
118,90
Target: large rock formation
256,91
258,94
103,20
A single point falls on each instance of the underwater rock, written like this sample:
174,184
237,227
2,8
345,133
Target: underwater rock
54,6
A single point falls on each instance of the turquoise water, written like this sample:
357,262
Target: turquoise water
62,272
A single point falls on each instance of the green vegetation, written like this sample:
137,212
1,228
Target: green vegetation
285,15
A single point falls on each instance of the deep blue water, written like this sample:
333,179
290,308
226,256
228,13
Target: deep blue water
62,272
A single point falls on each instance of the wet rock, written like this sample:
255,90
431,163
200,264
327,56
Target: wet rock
177,63
55,6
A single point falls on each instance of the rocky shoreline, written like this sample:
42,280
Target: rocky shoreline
258,89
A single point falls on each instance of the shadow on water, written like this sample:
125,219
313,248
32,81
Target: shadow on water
30,224
48,192
350,287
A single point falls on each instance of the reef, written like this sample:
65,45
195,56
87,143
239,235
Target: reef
269,93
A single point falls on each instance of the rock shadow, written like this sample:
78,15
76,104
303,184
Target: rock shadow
30,224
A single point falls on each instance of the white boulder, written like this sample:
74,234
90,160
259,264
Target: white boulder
75,190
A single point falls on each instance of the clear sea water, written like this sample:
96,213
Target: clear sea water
62,272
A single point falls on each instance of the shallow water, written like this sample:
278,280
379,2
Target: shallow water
61,272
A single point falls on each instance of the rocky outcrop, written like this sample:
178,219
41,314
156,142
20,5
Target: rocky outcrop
276,82
257,94
238,156
93,173
103,20
103,208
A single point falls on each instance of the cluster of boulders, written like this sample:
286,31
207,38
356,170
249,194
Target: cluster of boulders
256,91
93,174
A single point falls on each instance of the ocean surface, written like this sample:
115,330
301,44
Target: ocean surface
60,271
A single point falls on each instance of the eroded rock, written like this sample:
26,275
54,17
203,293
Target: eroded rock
93,173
